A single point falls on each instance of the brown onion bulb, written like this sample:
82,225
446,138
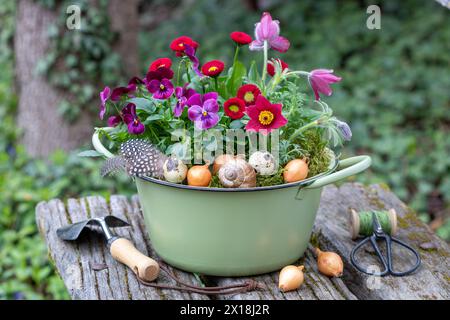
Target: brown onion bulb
295,170
291,278
199,176
329,263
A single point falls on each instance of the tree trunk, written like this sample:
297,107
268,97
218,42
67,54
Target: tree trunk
125,21
44,128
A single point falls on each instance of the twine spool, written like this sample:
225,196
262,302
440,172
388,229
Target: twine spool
362,224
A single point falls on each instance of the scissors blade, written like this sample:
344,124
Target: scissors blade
377,229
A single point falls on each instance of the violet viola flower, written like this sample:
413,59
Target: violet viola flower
104,96
269,30
131,119
182,94
320,80
190,53
203,110
158,83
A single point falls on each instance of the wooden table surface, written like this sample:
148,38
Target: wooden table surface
89,272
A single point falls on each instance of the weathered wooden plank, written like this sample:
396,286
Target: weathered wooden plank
431,281
78,263
315,286
86,266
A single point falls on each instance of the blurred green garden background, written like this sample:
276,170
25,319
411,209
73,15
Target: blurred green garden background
395,94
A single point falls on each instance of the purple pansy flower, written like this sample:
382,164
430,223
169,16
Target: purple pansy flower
104,96
190,53
182,94
320,80
269,30
115,94
131,119
203,110
158,83
114,121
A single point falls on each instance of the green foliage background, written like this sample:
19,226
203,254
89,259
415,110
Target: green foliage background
395,95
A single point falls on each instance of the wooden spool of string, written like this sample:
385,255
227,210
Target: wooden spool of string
362,225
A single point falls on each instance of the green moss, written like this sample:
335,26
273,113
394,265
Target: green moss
314,240
384,186
215,182
277,178
408,219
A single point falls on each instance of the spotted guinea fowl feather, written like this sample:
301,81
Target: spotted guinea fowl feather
112,165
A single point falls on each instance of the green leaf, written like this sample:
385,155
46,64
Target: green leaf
236,124
152,118
235,78
89,153
253,74
143,104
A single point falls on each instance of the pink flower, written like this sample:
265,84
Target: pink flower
104,96
320,80
265,116
269,30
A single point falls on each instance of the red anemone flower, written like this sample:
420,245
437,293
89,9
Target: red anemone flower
240,37
234,108
178,45
271,66
264,116
160,63
248,93
213,68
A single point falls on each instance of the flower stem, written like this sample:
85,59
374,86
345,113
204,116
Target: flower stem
314,123
216,84
187,72
263,78
236,53
178,72
299,72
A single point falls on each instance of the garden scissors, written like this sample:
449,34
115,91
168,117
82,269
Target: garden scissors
379,234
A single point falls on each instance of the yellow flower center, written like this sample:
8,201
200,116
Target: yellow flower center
205,113
181,45
213,68
249,96
233,108
161,66
265,117
161,86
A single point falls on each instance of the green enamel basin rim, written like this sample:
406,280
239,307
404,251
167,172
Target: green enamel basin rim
333,166
338,170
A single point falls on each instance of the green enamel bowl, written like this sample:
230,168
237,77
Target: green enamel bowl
234,232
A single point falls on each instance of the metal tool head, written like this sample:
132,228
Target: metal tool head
73,231
377,229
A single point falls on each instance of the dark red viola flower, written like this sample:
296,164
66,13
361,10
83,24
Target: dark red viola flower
240,37
131,119
160,63
213,68
271,66
178,44
234,108
248,93
114,121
